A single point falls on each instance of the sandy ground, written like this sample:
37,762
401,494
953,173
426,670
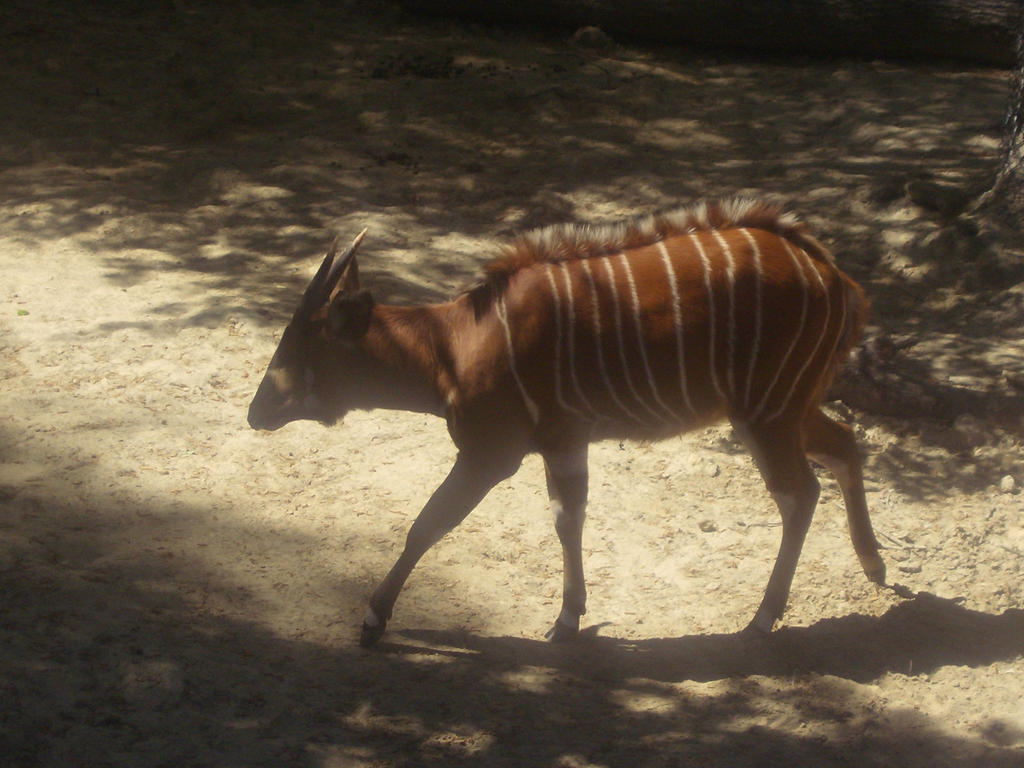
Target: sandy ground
179,590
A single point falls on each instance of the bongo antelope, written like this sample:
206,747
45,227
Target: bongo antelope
577,333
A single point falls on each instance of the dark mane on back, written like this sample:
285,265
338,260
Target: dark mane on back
565,242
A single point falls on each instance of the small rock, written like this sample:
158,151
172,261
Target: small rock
971,430
593,38
1007,484
910,567
708,526
945,199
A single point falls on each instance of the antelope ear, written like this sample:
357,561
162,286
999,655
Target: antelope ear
348,282
348,317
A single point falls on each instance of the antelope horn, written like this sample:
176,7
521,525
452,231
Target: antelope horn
340,264
329,272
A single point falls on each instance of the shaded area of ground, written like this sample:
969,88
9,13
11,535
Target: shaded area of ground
148,662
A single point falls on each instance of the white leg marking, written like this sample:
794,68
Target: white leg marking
607,262
571,336
824,330
558,341
502,313
677,317
796,337
640,340
706,262
756,346
730,274
557,509
370,618
600,343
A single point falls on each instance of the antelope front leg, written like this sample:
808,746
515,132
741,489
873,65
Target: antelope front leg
468,482
567,487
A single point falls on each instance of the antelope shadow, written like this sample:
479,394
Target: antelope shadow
918,636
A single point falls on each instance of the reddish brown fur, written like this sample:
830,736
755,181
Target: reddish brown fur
531,315
575,241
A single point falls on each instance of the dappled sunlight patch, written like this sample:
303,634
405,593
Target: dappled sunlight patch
411,733
459,742
674,134
644,697
240,191
531,679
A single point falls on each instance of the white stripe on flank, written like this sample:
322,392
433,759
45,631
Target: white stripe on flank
824,330
640,341
622,345
756,346
600,344
711,312
677,316
571,336
558,340
730,274
796,337
502,313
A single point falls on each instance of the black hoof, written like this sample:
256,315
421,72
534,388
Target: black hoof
561,633
876,575
754,631
370,634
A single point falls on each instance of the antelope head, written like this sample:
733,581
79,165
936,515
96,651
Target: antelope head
302,380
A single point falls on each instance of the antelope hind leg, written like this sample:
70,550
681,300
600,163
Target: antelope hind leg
779,456
832,445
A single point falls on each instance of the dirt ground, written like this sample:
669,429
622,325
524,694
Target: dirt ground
177,590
